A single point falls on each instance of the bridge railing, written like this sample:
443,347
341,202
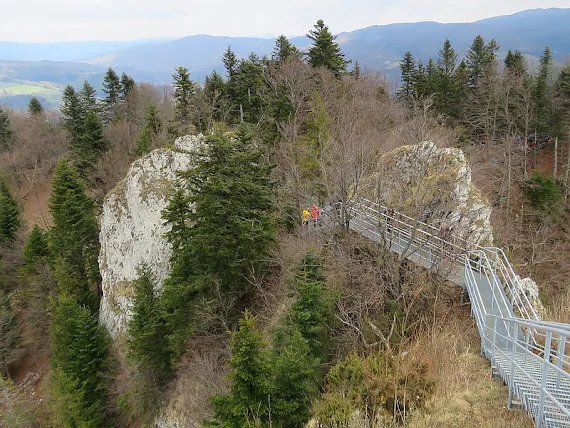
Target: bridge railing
442,247
525,351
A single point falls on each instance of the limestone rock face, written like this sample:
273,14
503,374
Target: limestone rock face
132,230
433,185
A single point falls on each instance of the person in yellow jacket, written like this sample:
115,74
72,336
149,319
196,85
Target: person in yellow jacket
306,217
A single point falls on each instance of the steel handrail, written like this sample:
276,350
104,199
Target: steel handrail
503,331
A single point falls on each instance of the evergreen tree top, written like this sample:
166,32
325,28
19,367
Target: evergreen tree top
325,51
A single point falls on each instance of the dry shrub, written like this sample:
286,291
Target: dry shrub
465,395
385,300
274,290
381,388
16,410
200,375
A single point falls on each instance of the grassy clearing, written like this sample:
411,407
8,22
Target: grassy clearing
465,394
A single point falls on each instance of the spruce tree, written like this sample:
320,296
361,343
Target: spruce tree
10,221
324,50
35,107
295,381
5,130
215,91
74,235
72,114
184,91
248,403
147,343
446,97
151,129
127,85
230,61
409,74
90,145
542,95
87,99
79,351
477,58
111,88
248,87
356,72
221,227
284,50
311,313
35,249
10,339
515,63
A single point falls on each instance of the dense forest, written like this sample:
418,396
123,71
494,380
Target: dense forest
280,327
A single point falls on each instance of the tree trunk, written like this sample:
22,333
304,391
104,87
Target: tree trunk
566,174
555,168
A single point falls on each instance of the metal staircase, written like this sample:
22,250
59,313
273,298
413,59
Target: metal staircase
530,355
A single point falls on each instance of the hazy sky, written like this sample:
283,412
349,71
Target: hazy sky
75,20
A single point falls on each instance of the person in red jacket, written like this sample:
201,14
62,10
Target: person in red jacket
315,213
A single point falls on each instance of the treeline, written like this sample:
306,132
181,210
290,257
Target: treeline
490,100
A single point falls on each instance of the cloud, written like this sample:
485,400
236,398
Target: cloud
69,20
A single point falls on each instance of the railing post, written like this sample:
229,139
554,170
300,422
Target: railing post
527,342
513,357
494,345
544,382
561,352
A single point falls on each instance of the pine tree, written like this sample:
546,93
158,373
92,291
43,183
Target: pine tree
111,87
35,249
10,221
284,50
147,341
74,235
127,85
325,51
35,107
184,91
5,130
247,404
79,351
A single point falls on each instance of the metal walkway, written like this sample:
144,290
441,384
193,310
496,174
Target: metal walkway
530,355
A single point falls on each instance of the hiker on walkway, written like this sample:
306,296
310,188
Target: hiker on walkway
306,217
315,213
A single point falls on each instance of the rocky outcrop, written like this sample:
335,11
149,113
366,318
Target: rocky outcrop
132,230
433,185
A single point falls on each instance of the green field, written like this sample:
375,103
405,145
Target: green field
48,92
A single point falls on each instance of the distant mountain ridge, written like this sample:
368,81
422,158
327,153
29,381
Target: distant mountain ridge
376,48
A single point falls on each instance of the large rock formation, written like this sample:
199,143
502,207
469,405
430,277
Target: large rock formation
132,230
433,185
